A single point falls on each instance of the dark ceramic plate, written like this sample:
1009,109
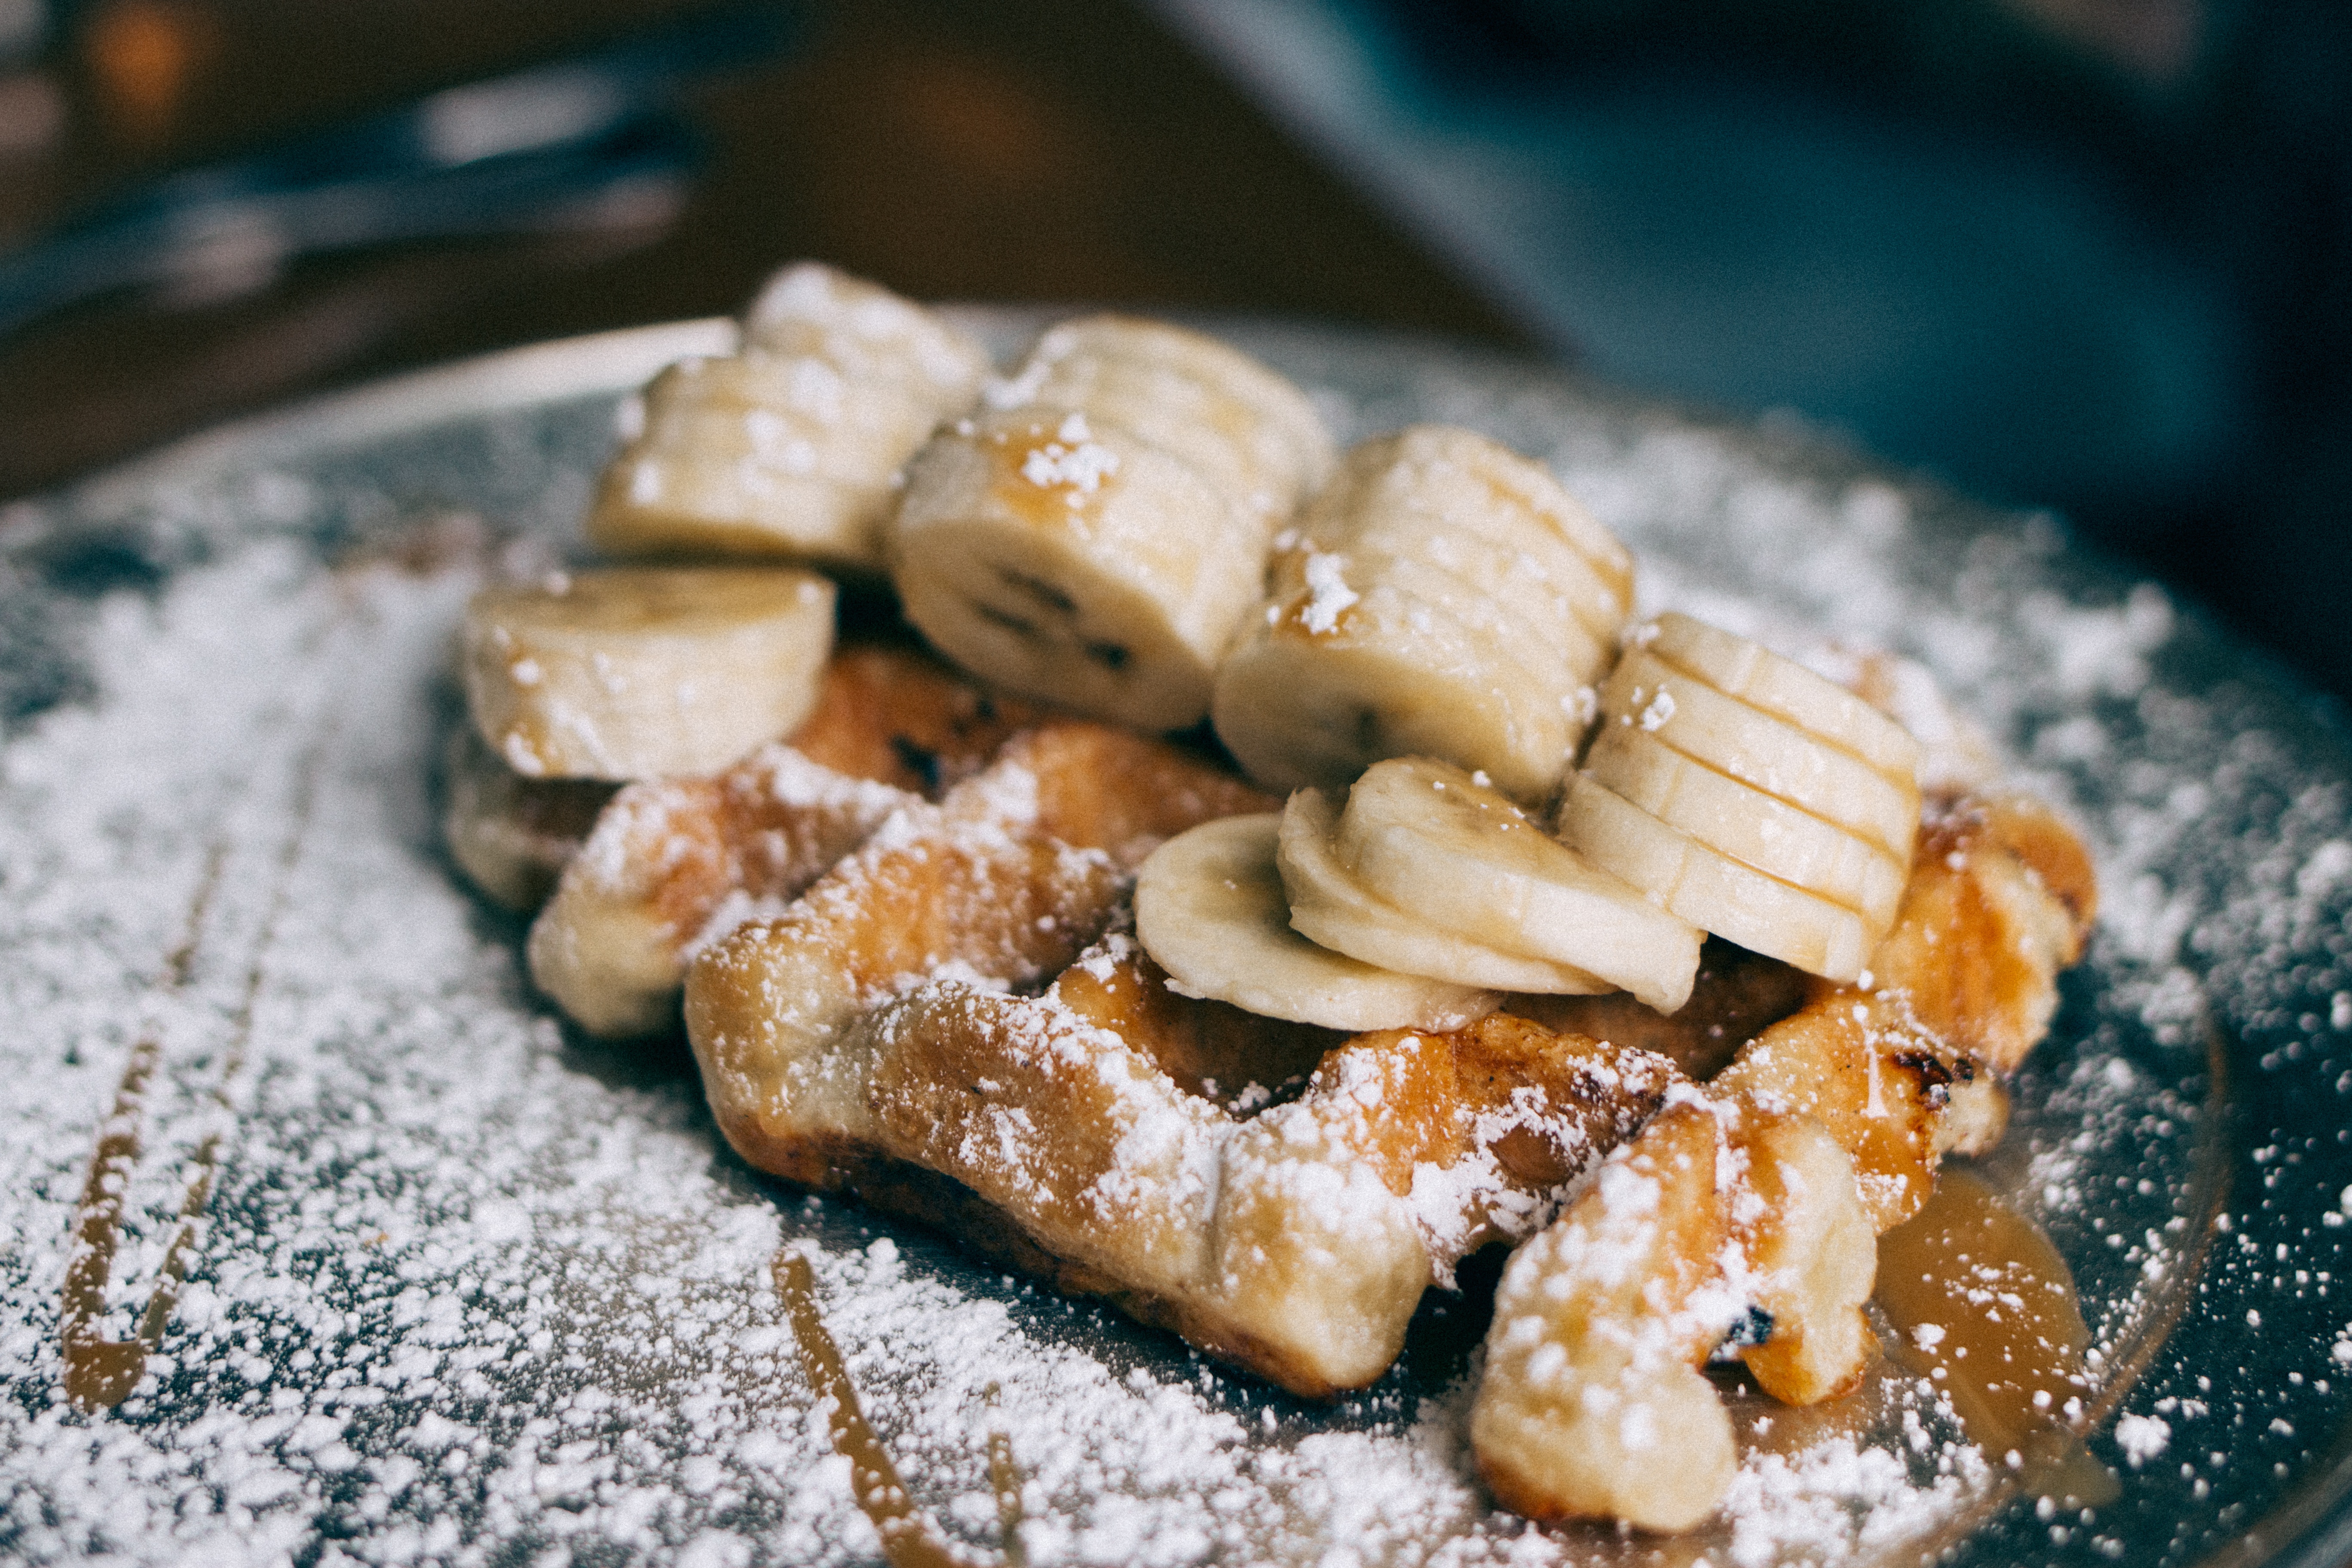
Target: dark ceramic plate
362,1257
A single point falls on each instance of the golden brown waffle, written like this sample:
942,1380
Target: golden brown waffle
1122,1140
1281,1196
1755,1202
673,862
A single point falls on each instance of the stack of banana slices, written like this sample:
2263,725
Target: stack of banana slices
791,448
1412,906
755,467
1423,670
1750,797
1729,790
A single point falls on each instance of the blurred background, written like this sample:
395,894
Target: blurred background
2088,255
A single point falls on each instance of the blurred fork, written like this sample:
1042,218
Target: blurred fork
589,141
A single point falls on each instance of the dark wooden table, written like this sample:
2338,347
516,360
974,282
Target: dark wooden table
1056,149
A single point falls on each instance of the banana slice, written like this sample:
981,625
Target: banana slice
1098,539
1343,678
1739,667
1712,891
641,672
1747,824
1441,597
1078,565
1771,754
1331,909
1249,432
1428,838
1211,911
1540,660
791,450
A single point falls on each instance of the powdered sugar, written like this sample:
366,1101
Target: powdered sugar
2143,1437
1328,593
1072,460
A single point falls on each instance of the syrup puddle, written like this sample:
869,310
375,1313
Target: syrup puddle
909,1539
1984,1307
100,1372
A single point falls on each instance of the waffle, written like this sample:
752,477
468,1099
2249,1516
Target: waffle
1751,1206
917,984
671,863
1279,1195
953,1023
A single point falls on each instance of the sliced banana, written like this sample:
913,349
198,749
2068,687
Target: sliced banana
1742,667
1430,839
1531,606
1211,911
1098,539
792,448
1442,596
1688,715
644,672
1712,891
1541,662
1343,678
1330,908
1078,565
1750,827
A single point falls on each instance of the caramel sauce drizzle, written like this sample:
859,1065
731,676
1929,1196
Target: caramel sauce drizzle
909,1539
1004,1479
1983,1306
100,1372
